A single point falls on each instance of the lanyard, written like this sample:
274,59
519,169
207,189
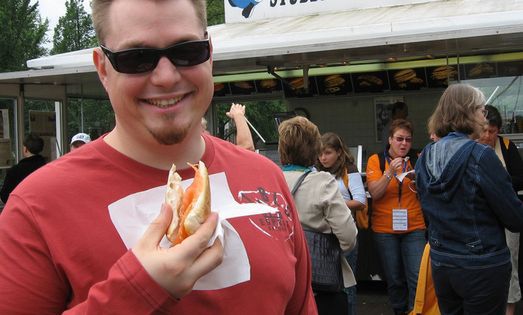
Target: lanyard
400,183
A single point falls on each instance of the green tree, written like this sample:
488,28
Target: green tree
74,30
22,34
215,12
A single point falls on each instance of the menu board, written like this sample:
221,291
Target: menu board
408,79
370,81
268,85
242,87
509,69
480,70
334,84
221,89
440,76
296,87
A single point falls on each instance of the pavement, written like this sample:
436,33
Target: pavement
372,299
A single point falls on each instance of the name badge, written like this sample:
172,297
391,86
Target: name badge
399,220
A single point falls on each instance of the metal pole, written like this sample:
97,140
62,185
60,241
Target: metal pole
252,127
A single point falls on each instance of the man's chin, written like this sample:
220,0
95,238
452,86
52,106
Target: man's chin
169,138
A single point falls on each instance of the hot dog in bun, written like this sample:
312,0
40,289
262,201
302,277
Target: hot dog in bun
190,207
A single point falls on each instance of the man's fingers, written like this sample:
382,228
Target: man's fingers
211,258
195,244
156,230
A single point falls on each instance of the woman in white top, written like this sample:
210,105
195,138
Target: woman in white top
336,159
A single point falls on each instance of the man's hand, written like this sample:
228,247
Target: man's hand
178,268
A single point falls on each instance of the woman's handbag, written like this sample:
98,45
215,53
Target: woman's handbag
325,252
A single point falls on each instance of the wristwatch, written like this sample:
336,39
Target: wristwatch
387,175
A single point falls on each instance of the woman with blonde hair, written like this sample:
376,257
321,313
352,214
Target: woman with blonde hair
320,206
468,200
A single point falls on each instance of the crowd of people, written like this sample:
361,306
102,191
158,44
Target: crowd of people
94,253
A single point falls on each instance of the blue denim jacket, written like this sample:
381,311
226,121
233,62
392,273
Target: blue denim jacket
467,200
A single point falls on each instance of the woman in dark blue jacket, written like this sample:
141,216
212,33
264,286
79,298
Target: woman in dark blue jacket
467,198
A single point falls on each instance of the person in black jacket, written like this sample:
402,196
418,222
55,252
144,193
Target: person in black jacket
32,160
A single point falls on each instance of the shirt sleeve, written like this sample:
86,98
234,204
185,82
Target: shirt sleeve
356,188
36,284
497,188
338,215
515,166
302,301
373,168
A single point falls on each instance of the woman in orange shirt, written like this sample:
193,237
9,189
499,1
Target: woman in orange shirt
397,219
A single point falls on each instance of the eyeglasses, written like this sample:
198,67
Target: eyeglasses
140,60
401,139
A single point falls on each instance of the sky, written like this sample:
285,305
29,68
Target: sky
53,10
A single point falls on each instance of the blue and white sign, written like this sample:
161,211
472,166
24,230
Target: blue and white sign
253,10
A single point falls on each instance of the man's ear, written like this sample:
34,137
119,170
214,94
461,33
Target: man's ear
100,64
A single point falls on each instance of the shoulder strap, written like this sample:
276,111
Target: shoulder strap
299,181
381,156
345,179
413,157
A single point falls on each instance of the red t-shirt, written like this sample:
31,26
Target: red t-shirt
59,249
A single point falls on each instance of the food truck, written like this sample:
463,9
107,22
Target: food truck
339,62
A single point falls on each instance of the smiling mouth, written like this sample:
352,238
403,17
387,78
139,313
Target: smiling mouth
164,103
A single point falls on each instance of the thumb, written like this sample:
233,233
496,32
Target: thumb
156,230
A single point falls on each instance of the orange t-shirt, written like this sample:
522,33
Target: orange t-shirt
381,220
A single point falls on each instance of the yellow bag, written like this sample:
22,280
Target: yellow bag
362,216
426,301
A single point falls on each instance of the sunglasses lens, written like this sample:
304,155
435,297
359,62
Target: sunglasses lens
189,53
136,60
140,60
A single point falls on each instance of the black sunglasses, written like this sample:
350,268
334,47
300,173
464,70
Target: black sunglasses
140,60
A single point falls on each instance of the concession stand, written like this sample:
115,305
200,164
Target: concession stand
339,62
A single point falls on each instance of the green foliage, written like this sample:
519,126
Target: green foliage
215,12
94,117
259,113
74,30
22,34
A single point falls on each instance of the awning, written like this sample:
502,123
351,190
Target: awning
406,32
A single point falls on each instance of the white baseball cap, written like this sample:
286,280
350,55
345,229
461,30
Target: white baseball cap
83,137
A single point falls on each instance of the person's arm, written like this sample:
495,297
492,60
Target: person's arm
8,186
359,197
302,301
515,166
495,183
243,133
337,214
144,280
377,181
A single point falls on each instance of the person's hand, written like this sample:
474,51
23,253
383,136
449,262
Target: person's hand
236,110
396,166
178,268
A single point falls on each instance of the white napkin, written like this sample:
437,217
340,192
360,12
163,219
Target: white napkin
402,176
132,215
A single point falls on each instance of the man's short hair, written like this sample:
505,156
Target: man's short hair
33,143
100,9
